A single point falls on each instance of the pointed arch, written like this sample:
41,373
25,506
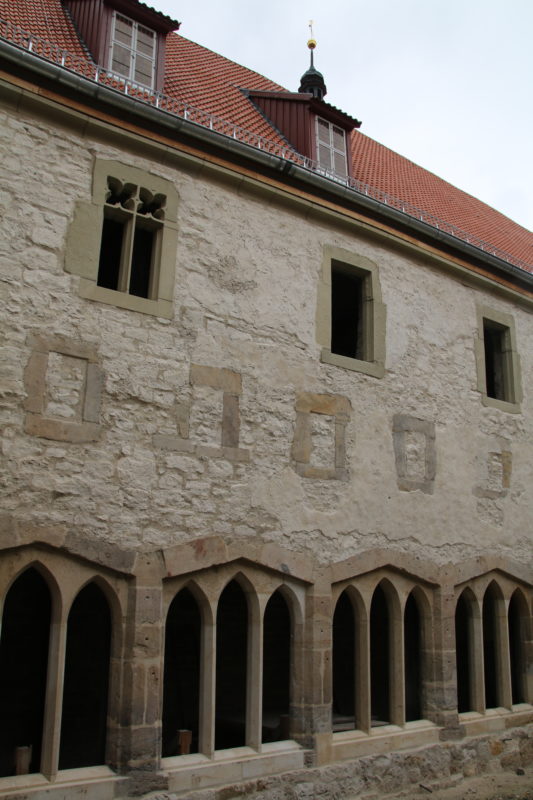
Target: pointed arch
385,624
493,607
413,657
24,649
86,680
231,665
343,663
276,698
519,623
181,676
466,615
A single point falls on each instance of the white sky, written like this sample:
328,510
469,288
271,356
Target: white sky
446,83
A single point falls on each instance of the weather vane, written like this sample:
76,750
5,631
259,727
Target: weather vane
312,41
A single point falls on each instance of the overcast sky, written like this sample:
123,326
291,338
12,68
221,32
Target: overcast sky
446,83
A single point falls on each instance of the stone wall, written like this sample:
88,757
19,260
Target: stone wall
114,424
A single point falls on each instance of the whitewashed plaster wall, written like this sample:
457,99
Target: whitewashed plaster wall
247,272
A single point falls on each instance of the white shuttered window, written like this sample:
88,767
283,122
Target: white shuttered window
331,147
133,51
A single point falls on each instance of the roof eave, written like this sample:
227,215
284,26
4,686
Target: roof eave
233,148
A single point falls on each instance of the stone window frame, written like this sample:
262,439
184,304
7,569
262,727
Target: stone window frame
87,428
398,588
85,233
66,578
511,361
374,313
474,592
258,585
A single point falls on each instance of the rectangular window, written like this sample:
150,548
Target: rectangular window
133,51
331,147
350,313
132,228
347,328
498,364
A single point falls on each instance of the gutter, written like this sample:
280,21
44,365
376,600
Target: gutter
159,117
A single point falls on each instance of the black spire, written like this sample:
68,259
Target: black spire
312,81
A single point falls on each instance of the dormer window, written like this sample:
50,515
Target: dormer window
133,51
331,147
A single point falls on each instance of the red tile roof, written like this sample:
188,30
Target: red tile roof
209,81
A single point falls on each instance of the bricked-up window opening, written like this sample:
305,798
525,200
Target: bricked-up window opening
231,668
380,652
23,668
463,654
518,624
276,669
131,234
347,312
133,52
181,682
85,690
343,716
497,361
413,660
331,147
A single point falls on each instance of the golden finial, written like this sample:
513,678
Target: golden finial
311,42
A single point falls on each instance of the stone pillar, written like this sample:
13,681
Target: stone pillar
317,670
363,703
397,663
440,667
503,656
143,678
54,693
208,683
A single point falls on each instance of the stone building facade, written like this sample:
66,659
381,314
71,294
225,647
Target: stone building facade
236,550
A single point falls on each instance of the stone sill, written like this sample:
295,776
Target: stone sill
84,782
496,719
352,744
196,771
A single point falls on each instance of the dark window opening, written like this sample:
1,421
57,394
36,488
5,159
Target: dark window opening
85,691
517,638
110,253
490,639
343,716
494,337
181,682
276,669
413,659
23,669
463,625
347,312
141,262
231,668
380,658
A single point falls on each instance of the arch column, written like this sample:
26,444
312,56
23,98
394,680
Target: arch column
207,684
317,658
440,679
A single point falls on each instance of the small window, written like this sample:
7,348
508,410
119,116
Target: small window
331,147
123,244
496,356
133,221
133,51
347,329
350,314
497,361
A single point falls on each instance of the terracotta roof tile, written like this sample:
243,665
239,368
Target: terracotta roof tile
209,81
45,18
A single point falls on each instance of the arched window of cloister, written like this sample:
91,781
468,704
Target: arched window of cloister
276,669
24,646
413,659
380,657
492,649
86,680
464,644
231,668
518,620
181,682
343,664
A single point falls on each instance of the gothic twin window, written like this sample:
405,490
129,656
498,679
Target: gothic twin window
131,234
